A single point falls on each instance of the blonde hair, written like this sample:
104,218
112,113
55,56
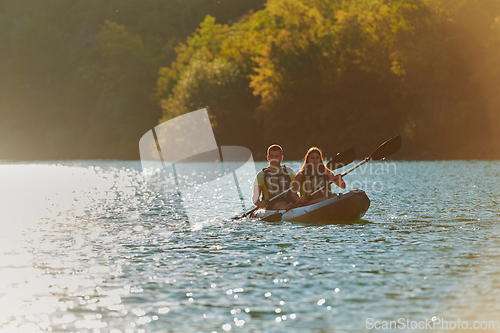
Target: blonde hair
309,151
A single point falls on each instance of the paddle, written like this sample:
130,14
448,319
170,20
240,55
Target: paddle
386,149
341,159
277,216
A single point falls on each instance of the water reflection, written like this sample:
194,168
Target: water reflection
86,247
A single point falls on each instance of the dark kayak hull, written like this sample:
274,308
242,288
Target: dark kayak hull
345,207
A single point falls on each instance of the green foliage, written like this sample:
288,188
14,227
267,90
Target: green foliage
215,85
118,62
331,73
355,71
78,77
119,65
206,42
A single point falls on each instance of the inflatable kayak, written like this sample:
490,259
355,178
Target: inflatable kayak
345,207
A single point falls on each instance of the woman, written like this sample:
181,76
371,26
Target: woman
315,175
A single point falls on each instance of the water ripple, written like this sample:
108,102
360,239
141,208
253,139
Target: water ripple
86,247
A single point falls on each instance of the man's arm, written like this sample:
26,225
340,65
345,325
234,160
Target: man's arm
257,190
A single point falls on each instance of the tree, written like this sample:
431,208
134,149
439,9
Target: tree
120,66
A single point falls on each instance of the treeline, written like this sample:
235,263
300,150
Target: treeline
78,77
87,79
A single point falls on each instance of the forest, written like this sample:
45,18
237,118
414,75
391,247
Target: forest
86,79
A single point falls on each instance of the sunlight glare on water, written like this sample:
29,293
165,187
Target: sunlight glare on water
47,240
86,247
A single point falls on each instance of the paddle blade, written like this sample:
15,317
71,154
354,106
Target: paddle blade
342,159
387,148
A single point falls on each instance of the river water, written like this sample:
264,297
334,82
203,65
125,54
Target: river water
87,247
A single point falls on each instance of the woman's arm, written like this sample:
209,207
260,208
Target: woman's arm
296,187
336,179
296,183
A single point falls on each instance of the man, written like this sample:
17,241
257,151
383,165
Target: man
273,180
